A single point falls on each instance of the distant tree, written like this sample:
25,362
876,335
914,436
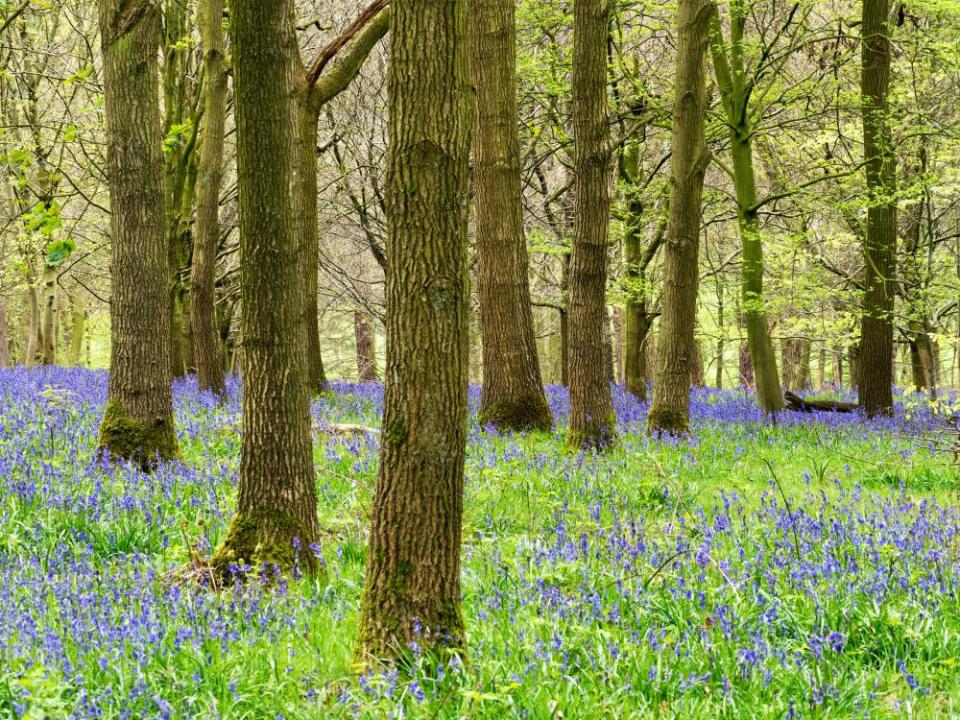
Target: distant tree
592,422
875,360
412,587
328,75
206,339
670,409
138,422
512,397
276,496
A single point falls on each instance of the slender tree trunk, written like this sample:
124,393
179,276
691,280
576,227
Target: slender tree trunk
48,327
592,422
276,499
617,338
78,325
745,366
33,348
138,422
309,114
4,340
203,318
412,587
366,347
670,409
854,363
735,94
721,323
512,397
876,340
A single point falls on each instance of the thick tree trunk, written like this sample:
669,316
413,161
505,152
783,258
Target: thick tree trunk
138,422
512,397
366,347
795,352
592,422
203,317
670,409
696,366
276,499
412,587
876,339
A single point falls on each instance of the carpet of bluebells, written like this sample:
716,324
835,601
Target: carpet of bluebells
807,569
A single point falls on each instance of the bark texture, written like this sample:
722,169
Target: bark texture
670,409
592,422
138,422
512,397
366,347
206,339
412,587
276,503
875,364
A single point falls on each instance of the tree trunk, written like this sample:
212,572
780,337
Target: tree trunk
796,363
309,114
592,422
33,347
876,338
735,94
670,410
854,364
617,339
745,366
78,325
412,588
203,319
48,327
138,422
276,497
512,397
366,347
4,340
696,366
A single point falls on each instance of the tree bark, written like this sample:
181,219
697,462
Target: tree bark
78,325
366,347
512,397
876,335
412,587
735,94
48,326
206,340
592,422
670,409
138,422
276,501
4,340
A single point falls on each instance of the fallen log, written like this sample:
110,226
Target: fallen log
799,404
345,429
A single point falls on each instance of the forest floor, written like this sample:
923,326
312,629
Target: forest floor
808,569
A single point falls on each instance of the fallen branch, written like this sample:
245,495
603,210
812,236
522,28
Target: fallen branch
799,404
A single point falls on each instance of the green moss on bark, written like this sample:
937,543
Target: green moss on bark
145,443
664,421
264,541
526,412
596,437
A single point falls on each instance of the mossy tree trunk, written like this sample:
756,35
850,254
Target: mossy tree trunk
670,409
276,499
735,94
875,364
4,339
206,339
138,422
181,100
413,561
592,422
512,397
637,316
